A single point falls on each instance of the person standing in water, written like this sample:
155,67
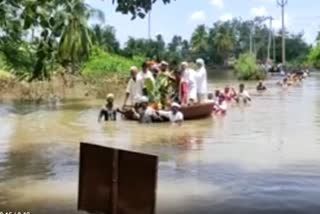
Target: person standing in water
108,112
243,95
145,114
175,116
221,106
201,80
261,87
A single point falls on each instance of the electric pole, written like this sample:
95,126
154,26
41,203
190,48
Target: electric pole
149,25
270,37
282,4
274,47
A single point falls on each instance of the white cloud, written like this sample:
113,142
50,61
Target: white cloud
226,17
198,16
259,11
217,3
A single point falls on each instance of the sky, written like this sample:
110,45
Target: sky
180,17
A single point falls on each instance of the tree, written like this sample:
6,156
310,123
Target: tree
105,36
75,43
199,42
221,41
135,7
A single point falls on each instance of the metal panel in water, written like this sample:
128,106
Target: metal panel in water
95,178
137,183
116,182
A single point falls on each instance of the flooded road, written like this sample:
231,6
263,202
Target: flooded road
263,158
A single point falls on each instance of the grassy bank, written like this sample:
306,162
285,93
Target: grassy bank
101,74
60,86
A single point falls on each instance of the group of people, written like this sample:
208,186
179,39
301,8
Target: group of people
221,98
186,86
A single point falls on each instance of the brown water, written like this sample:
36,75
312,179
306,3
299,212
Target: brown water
261,158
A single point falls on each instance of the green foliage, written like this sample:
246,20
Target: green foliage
101,63
158,90
135,7
5,75
105,37
314,56
246,68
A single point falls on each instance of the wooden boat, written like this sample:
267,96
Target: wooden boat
192,112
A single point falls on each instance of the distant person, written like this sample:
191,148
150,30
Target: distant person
221,106
134,88
229,95
201,80
285,83
243,95
174,115
108,112
261,87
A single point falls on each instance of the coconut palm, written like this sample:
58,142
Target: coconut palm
105,37
199,41
75,43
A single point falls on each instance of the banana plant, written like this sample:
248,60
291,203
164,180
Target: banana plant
158,90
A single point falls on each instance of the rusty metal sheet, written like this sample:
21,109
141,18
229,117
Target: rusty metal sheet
95,178
115,181
137,180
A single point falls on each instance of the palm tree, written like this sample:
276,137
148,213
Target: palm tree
75,43
199,41
105,36
223,42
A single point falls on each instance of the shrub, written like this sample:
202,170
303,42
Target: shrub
246,68
314,56
102,64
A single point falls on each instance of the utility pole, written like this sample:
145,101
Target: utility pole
282,4
149,25
251,37
270,37
274,46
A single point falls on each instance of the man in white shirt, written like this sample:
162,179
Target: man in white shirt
243,95
175,116
145,113
201,79
134,88
145,73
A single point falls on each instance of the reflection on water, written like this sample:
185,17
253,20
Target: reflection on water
259,158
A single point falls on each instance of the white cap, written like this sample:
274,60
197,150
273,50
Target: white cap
133,68
164,63
144,99
175,105
184,64
110,96
200,61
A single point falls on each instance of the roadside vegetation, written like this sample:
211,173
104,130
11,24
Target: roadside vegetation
52,40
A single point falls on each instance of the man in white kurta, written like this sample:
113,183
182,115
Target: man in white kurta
201,80
134,88
145,73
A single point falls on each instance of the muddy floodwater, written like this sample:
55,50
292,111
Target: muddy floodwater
262,158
